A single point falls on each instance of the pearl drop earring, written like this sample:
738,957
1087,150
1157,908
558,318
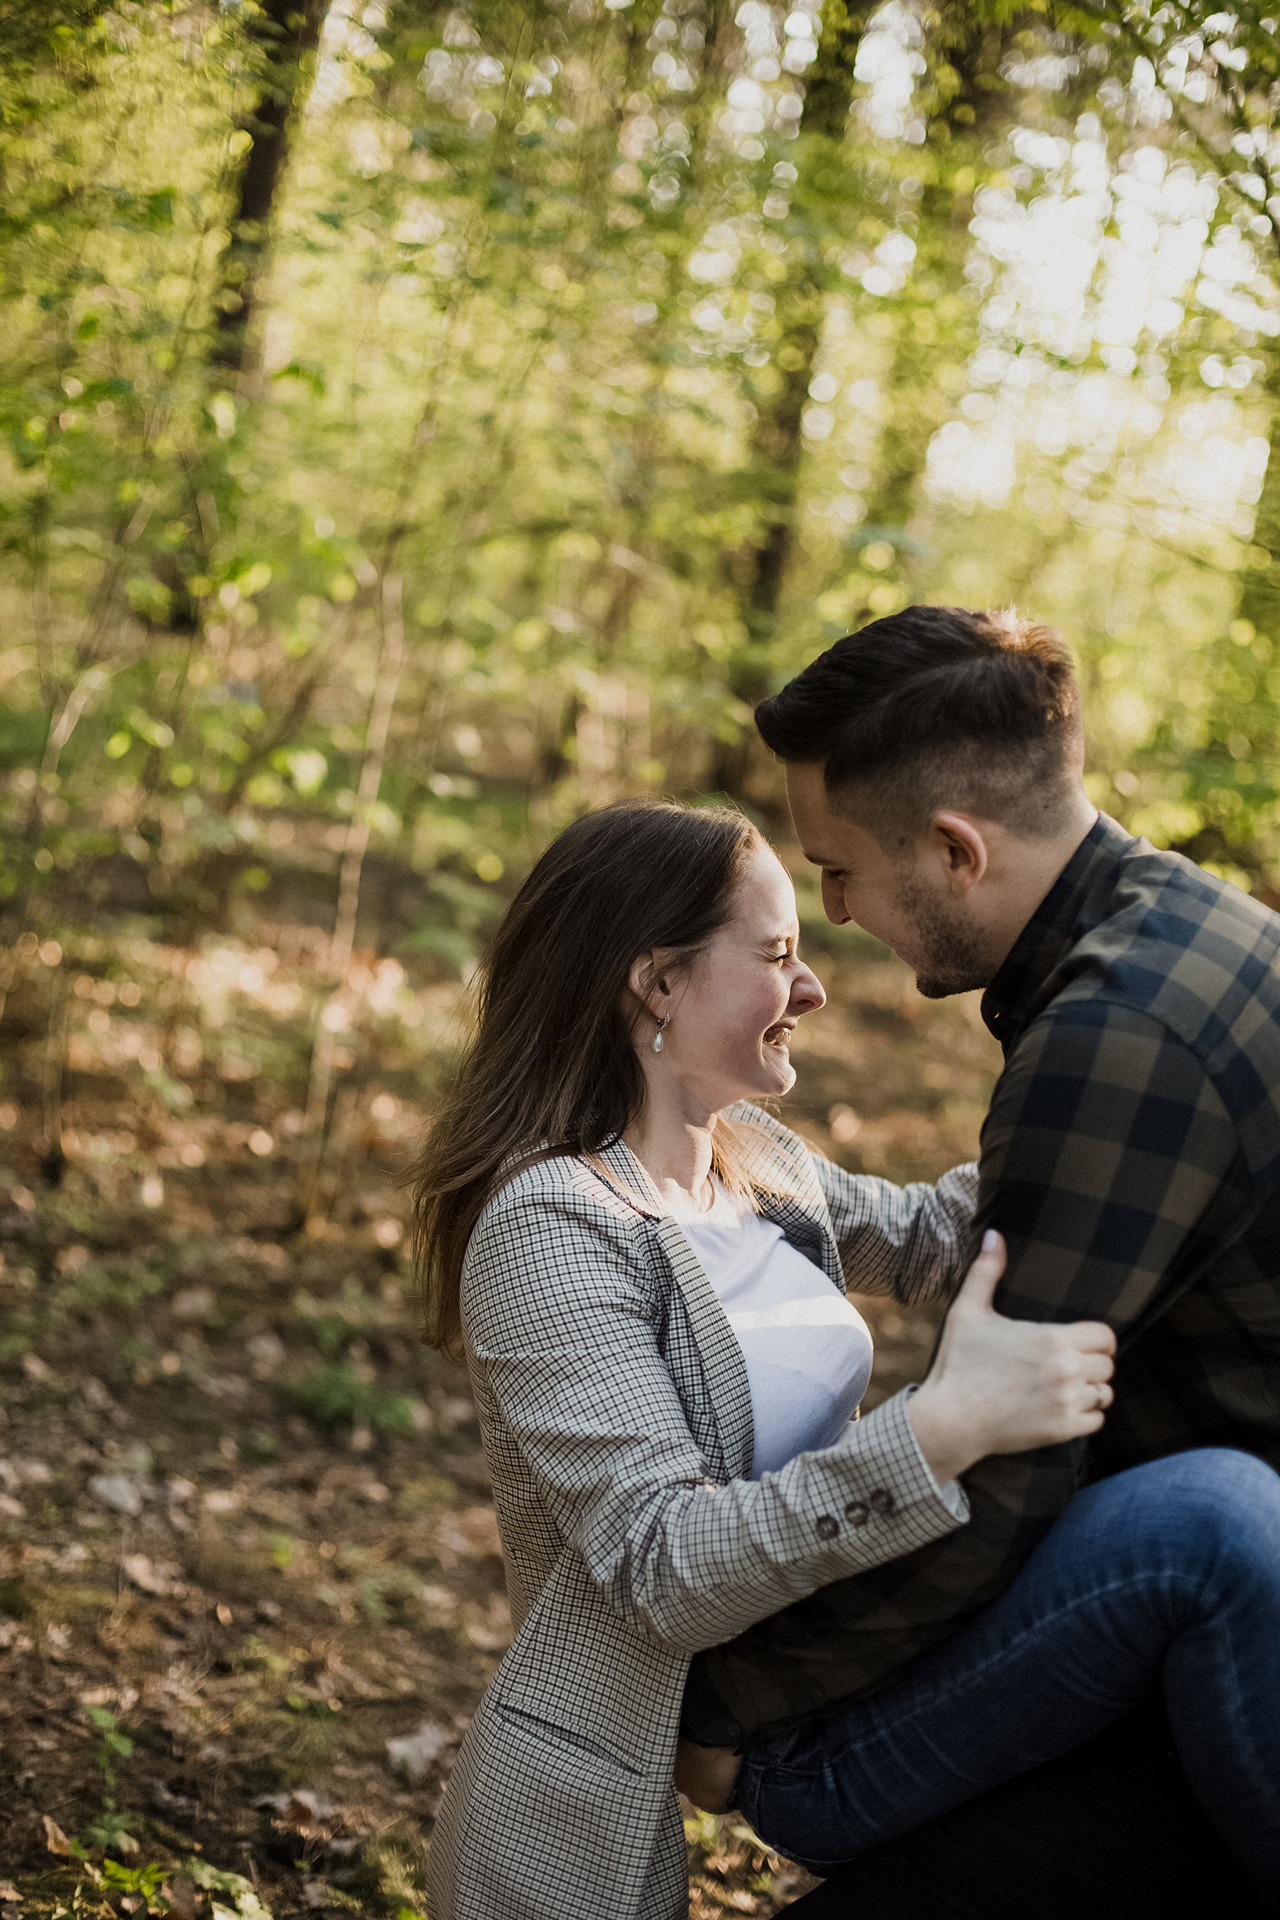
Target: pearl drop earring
657,1038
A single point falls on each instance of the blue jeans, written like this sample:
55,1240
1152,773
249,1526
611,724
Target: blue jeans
1109,1831
1165,1576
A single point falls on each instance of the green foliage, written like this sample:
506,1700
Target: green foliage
582,376
386,1878
113,1746
157,1887
335,1396
112,1831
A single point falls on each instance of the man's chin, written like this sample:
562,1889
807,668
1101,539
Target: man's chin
934,987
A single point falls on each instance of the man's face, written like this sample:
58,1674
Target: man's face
906,899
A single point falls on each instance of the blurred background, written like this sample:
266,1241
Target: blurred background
422,424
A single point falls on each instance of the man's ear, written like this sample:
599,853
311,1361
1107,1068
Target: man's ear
963,847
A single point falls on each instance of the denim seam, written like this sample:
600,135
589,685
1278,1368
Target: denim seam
1257,1769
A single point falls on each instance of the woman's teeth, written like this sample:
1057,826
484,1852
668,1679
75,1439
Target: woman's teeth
777,1036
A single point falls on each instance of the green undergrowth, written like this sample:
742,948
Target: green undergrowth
191,1889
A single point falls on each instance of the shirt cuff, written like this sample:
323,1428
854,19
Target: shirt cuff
950,1492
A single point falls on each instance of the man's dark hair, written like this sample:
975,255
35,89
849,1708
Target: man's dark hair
936,707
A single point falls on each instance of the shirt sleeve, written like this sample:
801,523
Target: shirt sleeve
1105,1146
912,1242
1110,1164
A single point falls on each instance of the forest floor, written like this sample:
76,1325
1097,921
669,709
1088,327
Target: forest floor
250,1585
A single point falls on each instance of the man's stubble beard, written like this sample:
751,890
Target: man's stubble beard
948,957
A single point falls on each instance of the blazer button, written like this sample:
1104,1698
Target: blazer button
857,1513
826,1528
883,1503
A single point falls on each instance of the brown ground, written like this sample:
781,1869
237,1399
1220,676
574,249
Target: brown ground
246,1542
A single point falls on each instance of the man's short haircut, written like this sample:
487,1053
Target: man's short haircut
937,707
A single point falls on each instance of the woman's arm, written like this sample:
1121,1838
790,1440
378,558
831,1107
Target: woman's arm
560,1314
913,1242
559,1306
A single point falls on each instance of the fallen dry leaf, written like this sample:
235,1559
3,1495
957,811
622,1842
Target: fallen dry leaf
152,1576
413,1753
55,1839
184,1897
119,1491
304,1811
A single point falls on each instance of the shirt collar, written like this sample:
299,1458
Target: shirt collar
1075,902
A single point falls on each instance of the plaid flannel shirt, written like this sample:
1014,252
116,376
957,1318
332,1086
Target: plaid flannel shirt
1131,1158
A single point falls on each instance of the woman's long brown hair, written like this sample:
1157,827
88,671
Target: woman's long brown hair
552,1064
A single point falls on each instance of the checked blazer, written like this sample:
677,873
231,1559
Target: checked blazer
1131,1158
616,1418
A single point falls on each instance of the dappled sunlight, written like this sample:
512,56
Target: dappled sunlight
422,425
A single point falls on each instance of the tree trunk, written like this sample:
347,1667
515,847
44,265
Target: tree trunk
1259,597
777,444
334,1014
967,105
1241,669
283,34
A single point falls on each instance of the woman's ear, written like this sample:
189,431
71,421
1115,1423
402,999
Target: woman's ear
641,980
649,983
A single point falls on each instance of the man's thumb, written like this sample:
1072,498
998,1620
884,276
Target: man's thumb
983,1276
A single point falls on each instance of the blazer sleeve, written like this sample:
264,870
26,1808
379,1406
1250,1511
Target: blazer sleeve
914,1242
561,1308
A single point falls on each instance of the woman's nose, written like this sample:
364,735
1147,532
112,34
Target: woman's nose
807,992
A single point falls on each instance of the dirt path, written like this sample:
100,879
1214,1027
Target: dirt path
250,1585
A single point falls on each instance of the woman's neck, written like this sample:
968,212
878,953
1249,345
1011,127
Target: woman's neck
675,1152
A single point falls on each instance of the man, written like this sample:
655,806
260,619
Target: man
1131,1154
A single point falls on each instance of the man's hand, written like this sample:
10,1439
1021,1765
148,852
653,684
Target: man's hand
707,1775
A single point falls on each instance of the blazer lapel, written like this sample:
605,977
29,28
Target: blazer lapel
808,1235
730,1447
723,1427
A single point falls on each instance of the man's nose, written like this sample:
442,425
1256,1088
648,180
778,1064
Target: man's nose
833,902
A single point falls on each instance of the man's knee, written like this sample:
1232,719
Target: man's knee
1221,1493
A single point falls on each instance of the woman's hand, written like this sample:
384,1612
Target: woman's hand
707,1775
1004,1386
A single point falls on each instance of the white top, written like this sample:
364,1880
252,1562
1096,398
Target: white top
808,1350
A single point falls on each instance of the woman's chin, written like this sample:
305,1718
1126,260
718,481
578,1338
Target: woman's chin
779,1074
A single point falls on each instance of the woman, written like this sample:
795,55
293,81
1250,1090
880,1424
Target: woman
647,1274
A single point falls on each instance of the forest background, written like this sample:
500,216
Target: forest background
422,424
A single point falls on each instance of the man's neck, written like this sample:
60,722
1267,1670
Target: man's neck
1034,867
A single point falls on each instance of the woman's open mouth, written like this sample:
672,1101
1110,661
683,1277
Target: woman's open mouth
778,1034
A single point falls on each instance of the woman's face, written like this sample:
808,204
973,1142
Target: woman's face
732,1016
